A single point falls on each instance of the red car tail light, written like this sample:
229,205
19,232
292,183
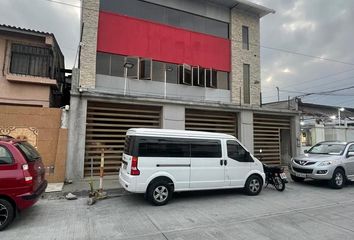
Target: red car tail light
27,175
134,167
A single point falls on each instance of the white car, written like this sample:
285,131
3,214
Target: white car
158,162
331,160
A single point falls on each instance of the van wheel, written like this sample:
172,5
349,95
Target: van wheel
253,185
6,213
338,179
159,193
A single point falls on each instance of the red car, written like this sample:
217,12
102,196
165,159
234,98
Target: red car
22,178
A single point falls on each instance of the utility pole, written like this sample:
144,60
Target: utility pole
278,93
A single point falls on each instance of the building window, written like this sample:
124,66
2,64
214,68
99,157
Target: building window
171,73
132,72
30,60
158,71
185,74
117,65
145,69
246,84
223,80
245,38
165,15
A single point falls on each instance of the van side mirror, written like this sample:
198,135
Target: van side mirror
306,151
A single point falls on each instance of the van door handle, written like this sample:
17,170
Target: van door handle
221,162
225,162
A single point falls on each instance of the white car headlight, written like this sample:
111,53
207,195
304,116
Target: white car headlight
325,163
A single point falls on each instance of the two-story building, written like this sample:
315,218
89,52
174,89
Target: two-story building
177,64
31,68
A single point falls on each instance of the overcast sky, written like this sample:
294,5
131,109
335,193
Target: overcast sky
321,28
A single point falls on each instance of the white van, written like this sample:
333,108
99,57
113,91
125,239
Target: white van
158,162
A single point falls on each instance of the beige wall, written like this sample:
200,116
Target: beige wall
240,56
19,89
48,137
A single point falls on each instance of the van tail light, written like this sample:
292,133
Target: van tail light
134,169
27,175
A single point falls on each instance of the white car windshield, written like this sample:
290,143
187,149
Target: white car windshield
327,148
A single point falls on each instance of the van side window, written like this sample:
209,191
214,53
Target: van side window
163,147
206,149
5,156
237,152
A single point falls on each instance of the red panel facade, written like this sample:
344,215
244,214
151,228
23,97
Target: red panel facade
134,37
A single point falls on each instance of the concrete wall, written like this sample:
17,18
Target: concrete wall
240,56
245,129
20,89
41,127
157,89
173,117
337,133
76,138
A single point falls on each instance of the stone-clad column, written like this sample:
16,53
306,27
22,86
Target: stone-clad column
240,56
89,19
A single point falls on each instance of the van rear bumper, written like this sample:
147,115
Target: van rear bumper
128,182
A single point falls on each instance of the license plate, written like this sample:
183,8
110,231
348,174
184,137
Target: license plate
302,175
283,176
124,166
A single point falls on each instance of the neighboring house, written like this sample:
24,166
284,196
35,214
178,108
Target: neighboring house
177,64
31,68
320,122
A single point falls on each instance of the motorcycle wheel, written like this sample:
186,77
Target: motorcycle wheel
279,184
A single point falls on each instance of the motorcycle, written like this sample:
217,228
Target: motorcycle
276,176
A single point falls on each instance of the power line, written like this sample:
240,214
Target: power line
323,77
307,55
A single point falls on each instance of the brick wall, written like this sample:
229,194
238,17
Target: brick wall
41,126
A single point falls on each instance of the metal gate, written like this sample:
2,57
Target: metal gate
106,126
211,121
267,137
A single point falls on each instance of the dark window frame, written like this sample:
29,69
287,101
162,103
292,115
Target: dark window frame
245,38
39,61
246,83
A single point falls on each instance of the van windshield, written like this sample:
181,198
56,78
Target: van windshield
327,148
30,153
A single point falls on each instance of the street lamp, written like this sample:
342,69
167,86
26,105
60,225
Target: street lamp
340,110
127,65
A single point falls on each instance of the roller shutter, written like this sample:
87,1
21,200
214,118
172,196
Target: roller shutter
106,126
211,121
267,137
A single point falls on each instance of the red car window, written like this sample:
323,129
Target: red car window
29,151
5,156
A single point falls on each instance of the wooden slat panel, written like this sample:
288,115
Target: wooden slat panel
106,126
211,121
267,137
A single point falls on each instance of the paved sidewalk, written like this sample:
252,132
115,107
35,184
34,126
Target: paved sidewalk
302,211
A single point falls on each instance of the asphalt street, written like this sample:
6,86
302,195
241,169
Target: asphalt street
302,211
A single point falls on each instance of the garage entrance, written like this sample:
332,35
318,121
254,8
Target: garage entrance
106,126
211,121
272,135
